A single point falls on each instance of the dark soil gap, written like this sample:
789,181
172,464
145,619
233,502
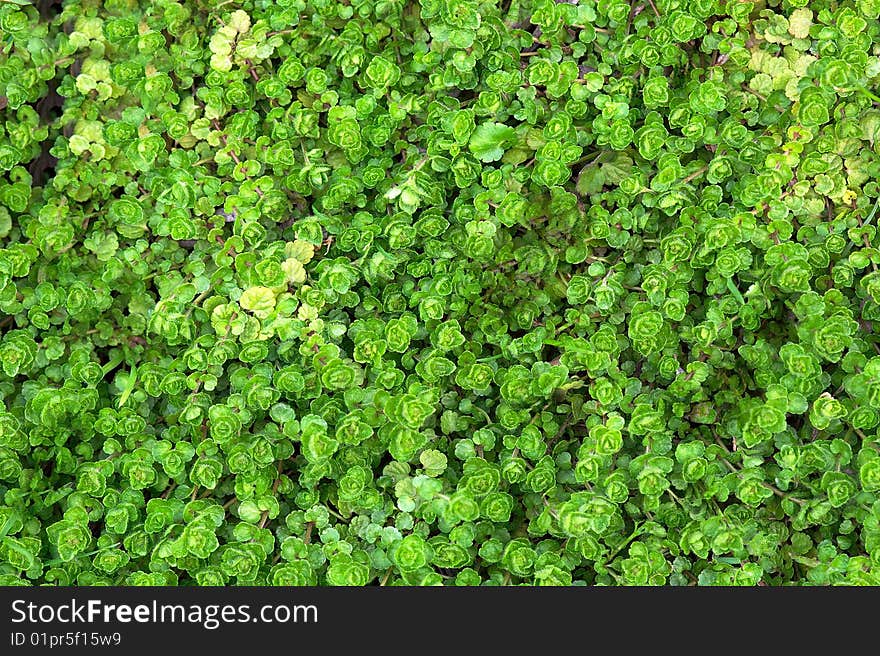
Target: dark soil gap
42,167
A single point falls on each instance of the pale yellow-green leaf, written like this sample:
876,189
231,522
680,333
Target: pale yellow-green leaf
799,23
240,21
104,89
201,128
758,60
247,48
97,151
220,44
300,250
762,83
259,300
800,66
85,83
791,89
91,130
91,26
221,62
776,67
294,270
307,312
78,144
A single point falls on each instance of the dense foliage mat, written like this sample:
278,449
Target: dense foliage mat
439,292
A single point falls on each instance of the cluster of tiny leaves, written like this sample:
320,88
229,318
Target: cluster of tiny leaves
441,292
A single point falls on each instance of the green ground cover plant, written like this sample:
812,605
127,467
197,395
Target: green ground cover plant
459,292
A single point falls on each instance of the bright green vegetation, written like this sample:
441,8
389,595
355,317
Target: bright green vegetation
360,292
